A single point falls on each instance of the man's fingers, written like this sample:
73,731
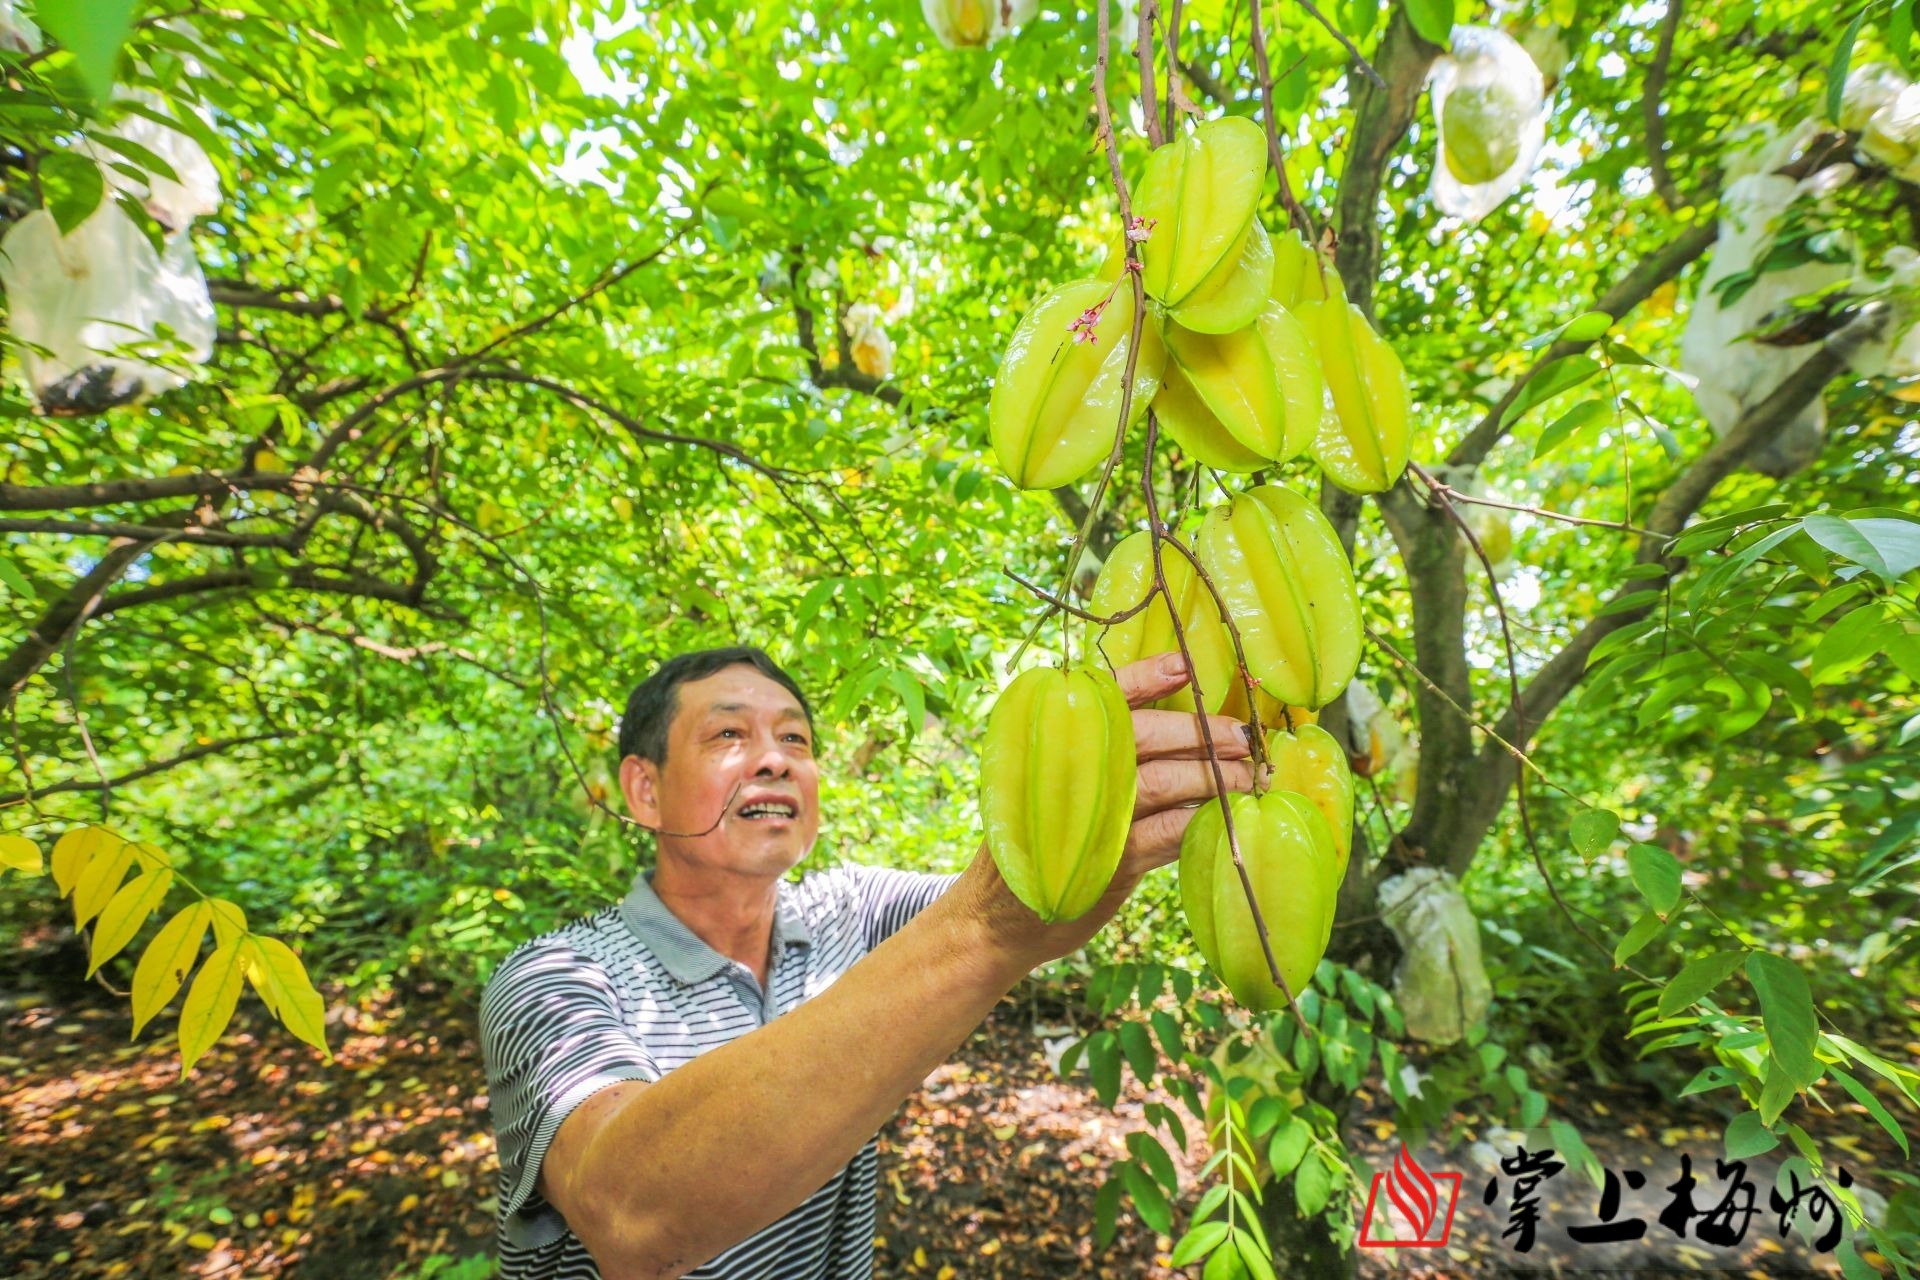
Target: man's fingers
1169,784
1174,735
1155,841
1151,678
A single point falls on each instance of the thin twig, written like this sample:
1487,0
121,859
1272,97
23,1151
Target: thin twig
1263,71
1650,97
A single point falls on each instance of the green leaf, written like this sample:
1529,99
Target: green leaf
1593,831
1562,375
1848,643
1138,1046
16,581
1841,537
1288,1146
1875,1108
1842,59
1103,1065
1433,19
1776,1091
1147,1149
1568,1142
93,31
1637,937
1198,1243
74,187
1148,1199
1656,873
1709,1078
1166,1029
1568,424
913,699
1697,979
1747,1137
1786,1008
1106,1210
1313,1185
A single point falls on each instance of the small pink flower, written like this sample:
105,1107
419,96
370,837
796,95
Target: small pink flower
1133,264
1083,327
1138,229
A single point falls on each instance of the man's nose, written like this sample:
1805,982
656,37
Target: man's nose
771,761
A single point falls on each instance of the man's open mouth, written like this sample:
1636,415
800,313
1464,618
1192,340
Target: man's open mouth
770,809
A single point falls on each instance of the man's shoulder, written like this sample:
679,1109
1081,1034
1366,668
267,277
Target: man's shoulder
581,942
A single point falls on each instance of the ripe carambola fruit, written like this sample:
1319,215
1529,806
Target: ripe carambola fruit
1310,761
1124,581
1057,780
1298,274
1363,446
1288,588
1243,400
1056,400
1273,712
1480,135
1290,859
1206,258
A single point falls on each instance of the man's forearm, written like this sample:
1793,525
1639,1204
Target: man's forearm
715,1150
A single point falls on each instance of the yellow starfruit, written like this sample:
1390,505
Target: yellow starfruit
1124,581
1364,444
1310,761
1196,203
1290,859
1288,589
1299,274
1255,394
1056,401
1057,779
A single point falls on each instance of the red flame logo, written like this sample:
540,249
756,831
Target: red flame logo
1413,1192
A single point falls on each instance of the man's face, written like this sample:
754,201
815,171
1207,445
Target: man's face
739,761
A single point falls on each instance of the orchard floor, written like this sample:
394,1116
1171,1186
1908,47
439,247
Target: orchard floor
269,1163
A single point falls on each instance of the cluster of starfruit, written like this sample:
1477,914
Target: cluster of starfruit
1248,359
1245,355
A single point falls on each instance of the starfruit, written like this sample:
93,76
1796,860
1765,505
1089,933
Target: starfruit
1363,446
1310,761
1057,778
1273,712
1288,589
1056,401
1207,259
1243,400
1124,581
1299,274
1289,855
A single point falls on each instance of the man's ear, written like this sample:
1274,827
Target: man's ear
640,784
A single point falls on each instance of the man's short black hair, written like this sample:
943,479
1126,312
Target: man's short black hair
653,704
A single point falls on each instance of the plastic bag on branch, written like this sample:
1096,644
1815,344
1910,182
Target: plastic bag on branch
866,327
1738,293
1891,135
1870,86
1440,984
975,24
1489,100
1897,355
194,189
101,317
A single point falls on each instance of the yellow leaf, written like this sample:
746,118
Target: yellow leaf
152,855
139,898
164,964
202,1240
281,980
209,1004
94,889
17,853
74,850
229,921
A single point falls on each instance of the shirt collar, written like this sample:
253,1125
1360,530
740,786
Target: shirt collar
683,952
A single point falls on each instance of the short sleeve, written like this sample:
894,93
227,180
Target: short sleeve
887,898
552,1036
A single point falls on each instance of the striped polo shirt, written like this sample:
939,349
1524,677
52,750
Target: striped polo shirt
630,993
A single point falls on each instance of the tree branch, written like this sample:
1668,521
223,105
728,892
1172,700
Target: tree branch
147,770
1650,97
64,616
1671,511
1382,113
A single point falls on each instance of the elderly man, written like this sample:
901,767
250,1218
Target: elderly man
689,1083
